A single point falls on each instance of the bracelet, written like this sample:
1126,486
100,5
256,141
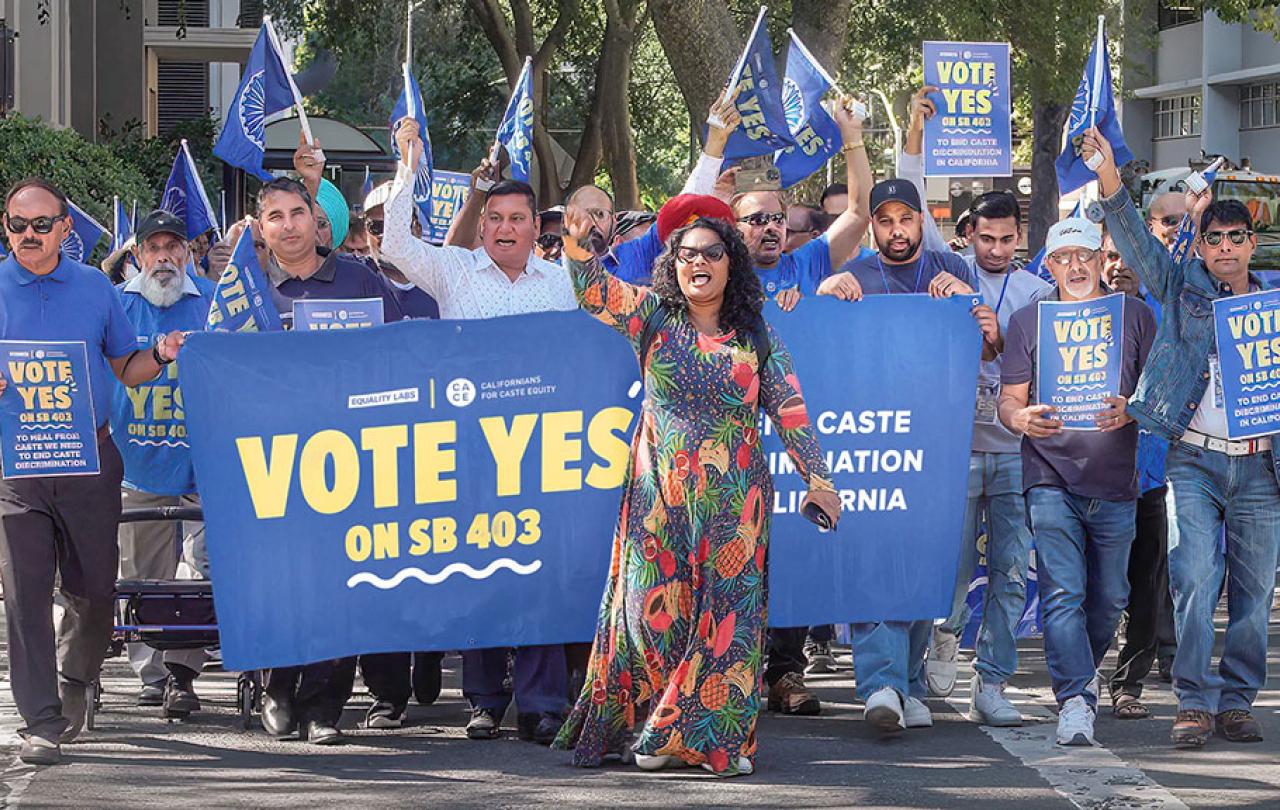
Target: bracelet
155,354
849,147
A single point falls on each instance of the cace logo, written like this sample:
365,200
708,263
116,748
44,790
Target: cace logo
461,392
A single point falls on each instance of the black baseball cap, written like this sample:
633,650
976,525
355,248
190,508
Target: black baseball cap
895,190
161,221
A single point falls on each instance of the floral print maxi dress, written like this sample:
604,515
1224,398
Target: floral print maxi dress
682,620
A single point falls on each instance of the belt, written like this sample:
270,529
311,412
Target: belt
1241,448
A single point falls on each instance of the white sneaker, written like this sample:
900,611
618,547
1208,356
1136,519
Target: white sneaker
745,768
651,762
940,669
915,714
884,711
1075,722
989,707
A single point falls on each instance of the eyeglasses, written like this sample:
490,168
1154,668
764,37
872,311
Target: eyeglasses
759,219
373,226
1063,258
1112,256
1169,221
549,241
712,253
1236,235
41,225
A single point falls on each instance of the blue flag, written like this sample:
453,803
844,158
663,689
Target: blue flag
764,128
1187,228
84,237
515,133
1094,105
409,105
264,90
184,195
816,134
122,227
242,301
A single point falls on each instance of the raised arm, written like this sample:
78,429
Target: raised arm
910,164
464,231
608,299
431,268
847,231
722,119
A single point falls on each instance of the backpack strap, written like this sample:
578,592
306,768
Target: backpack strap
760,340
653,324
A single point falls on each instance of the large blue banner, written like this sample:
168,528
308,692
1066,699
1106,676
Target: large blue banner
971,134
1248,337
46,411
455,484
1078,354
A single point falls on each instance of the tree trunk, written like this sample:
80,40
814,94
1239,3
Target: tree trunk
823,27
613,83
1046,144
702,43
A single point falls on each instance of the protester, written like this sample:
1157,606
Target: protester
550,234
1080,485
1165,215
150,432
503,277
1218,485
804,224
333,217
835,199
629,225
357,241
706,303
414,302
65,526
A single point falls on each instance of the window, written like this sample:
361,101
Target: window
6,68
1173,13
1258,105
183,13
1177,116
182,93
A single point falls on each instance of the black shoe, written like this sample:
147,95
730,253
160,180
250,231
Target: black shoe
426,677
152,694
322,733
277,717
180,698
384,714
484,724
1166,669
548,727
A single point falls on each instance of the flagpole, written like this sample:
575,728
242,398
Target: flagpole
222,209
115,224
408,31
1100,53
293,86
736,75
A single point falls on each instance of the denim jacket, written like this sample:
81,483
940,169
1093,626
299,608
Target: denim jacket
1177,370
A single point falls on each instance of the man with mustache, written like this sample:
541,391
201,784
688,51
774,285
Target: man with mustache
62,525
149,428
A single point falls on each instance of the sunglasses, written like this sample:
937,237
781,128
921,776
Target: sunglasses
41,225
373,226
712,253
1169,221
759,219
1063,257
548,241
1236,235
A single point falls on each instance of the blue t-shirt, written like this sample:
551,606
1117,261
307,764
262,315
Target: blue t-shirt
632,261
878,277
74,302
415,302
803,268
147,421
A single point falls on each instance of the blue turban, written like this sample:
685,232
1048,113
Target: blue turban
335,206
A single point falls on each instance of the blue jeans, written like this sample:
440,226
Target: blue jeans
1211,490
995,492
540,679
891,654
1082,548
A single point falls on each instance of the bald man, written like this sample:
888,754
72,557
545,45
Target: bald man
1165,214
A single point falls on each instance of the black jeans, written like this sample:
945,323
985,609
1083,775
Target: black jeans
1149,633
786,652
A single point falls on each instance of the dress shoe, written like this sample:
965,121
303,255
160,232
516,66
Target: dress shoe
180,697
152,694
75,705
789,695
426,677
1192,728
321,733
39,751
1238,725
277,716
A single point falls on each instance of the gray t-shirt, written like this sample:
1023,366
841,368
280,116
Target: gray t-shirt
1006,293
1086,463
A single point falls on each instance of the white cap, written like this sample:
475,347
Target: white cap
1073,232
378,195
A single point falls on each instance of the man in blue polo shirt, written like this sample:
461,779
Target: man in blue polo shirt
63,525
149,428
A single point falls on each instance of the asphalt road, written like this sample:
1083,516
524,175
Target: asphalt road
136,759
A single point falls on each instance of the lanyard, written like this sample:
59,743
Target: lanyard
915,288
1003,288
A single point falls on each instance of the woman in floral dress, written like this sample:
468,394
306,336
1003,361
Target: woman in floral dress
682,623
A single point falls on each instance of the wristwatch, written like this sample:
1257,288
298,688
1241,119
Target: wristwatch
155,350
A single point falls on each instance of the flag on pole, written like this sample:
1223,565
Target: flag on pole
184,195
409,105
764,127
1187,227
1094,105
242,301
122,227
816,134
265,89
85,234
515,133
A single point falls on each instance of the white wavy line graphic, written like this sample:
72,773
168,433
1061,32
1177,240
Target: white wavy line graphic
1083,387
366,578
965,132
46,427
1260,386
159,443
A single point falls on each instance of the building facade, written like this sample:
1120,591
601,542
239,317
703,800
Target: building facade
1195,85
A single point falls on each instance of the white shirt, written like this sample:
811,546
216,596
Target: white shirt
1210,417
467,284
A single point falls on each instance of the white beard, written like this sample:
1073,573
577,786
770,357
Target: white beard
161,295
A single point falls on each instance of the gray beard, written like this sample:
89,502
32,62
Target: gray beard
161,295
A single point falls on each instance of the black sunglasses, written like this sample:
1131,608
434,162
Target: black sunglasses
712,253
760,218
373,226
1236,235
549,241
1168,221
41,225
